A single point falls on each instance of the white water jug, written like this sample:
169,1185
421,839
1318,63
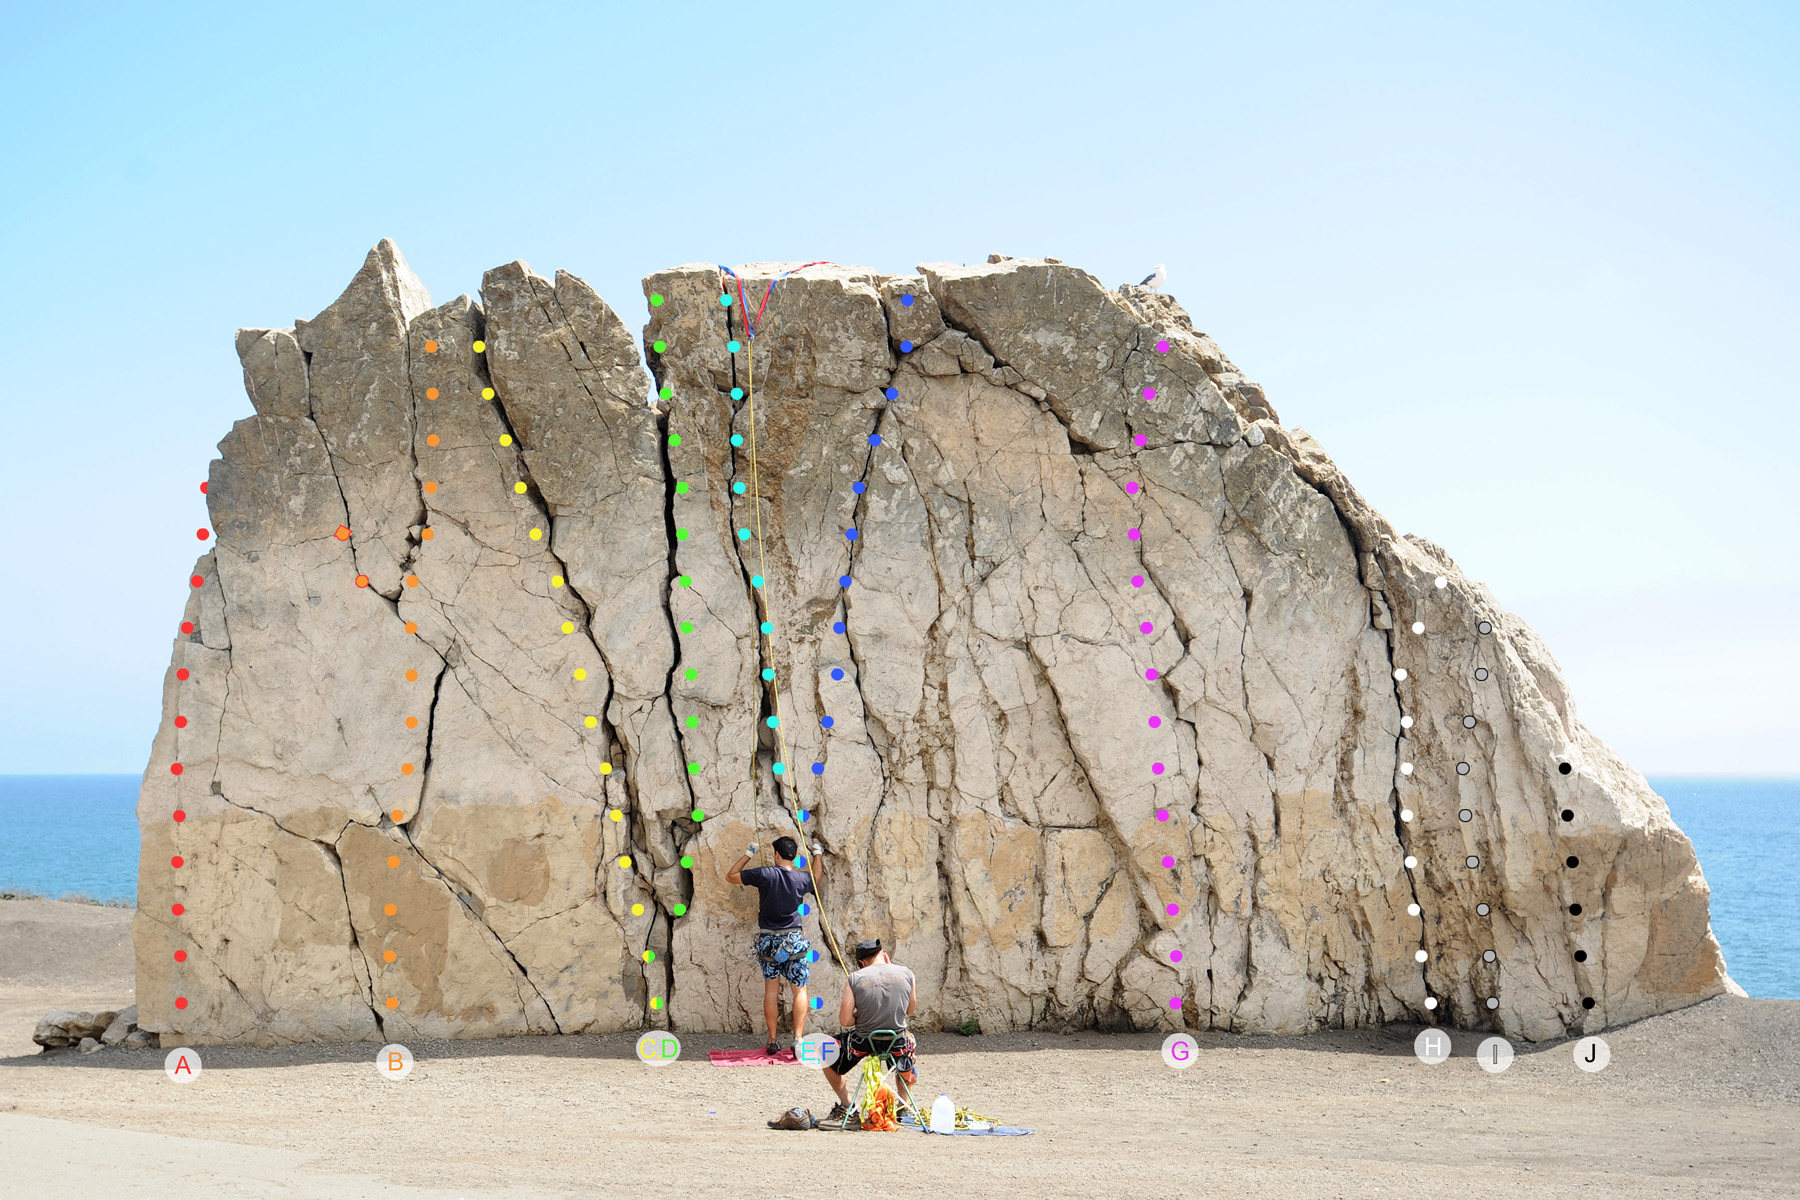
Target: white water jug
943,1115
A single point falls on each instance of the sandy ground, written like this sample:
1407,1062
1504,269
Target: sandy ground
1700,1102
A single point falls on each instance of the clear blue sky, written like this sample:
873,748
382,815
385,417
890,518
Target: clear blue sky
1527,271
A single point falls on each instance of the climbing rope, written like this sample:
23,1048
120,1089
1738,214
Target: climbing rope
761,603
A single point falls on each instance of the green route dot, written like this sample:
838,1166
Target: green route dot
659,345
681,488
687,627
680,910
667,393
649,956
698,814
674,438
656,1002
681,535
687,862
655,299
693,722
690,674
686,581
693,768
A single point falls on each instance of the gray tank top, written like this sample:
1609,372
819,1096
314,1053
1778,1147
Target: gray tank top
881,993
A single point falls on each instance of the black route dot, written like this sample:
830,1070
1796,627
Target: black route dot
1564,768
1568,814
1587,1002
1574,910
1572,861
1581,956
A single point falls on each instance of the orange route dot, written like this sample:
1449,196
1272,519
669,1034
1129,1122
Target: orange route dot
431,439
342,534
390,910
393,1002
388,956
412,722
412,627
396,814
412,581
406,768
431,347
411,675
362,581
425,535
431,393
431,488
393,860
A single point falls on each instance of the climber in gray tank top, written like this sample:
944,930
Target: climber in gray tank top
880,995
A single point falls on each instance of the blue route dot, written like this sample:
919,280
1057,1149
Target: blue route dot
874,439
756,581
837,627
780,768
772,722
737,439
843,581
906,300
827,722
851,534
892,393
813,956
737,489
737,394
818,768
768,673
804,814
767,627
782,955
743,535
734,345
837,672
858,487
816,1001
806,910
725,300
906,347
800,862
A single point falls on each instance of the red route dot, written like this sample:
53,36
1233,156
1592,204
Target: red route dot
198,581
181,722
181,956
181,1002
181,672
177,909
174,768
202,534
187,627
202,488
181,814
362,581
342,533
176,862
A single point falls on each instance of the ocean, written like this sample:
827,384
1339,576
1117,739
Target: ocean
77,834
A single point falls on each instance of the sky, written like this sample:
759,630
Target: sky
1526,271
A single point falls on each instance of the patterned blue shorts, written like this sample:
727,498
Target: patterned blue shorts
783,955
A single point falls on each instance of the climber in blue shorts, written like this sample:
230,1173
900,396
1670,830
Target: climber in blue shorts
781,946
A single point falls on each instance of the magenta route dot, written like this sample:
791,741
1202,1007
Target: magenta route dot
1162,814
1169,862
1140,440
1156,768
1162,347
1137,581
1149,393
1134,534
1156,722
1152,674
1174,956
1146,627
1131,487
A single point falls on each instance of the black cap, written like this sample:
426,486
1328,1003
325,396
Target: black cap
868,948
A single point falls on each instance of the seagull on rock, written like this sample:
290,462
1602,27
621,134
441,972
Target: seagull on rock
1154,279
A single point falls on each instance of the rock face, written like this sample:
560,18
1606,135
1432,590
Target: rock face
1111,700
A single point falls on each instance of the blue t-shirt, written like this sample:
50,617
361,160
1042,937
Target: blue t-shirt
779,889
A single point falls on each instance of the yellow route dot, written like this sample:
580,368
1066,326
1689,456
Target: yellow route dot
537,535
488,394
568,627
556,581
590,722
625,861
479,347
580,672
519,487
637,910
615,814
606,769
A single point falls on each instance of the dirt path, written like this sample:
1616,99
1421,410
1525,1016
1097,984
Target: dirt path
1698,1102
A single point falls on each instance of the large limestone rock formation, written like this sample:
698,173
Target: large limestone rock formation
1119,707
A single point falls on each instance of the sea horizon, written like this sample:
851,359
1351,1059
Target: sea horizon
1745,830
